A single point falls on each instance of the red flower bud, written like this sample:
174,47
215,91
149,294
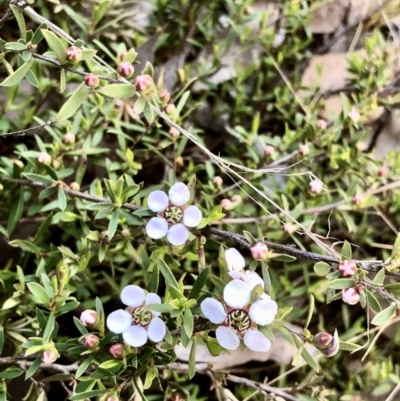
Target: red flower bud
92,80
217,180
117,351
347,268
89,317
351,296
259,251
74,54
143,82
91,341
126,69
49,356
69,138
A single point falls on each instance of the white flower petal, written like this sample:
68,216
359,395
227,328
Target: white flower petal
133,296
256,341
136,336
152,298
179,194
157,227
192,216
178,234
156,330
227,337
263,311
158,201
239,276
213,310
234,259
237,294
254,279
119,321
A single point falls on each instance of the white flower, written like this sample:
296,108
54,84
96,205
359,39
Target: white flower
236,264
135,323
238,319
174,217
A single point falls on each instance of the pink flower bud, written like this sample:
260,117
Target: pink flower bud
269,150
143,82
350,296
89,317
382,171
122,55
347,268
91,341
75,186
321,124
217,180
226,204
165,96
174,132
304,150
69,138
354,116
170,109
117,351
316,186
125,232
74,54
44,157
92,80
259,251
358,199
126,69
326,343
49,357
236,198
289,228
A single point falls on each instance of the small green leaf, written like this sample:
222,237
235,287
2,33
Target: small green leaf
383,316
250,239
15,213
1,339
322,269
188,322
310,310
139,105
199,283
118,91
266,276
346,251
56,45
341,283
11,373
88,394
73,103
155,279
33,368
49,328
80,326
372,301
283,258
113,224
169,278
192,358
62,199
20,20
346,346
380,277
39,293
18,75
83,366
31,78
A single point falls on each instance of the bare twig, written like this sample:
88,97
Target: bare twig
24,131
24,364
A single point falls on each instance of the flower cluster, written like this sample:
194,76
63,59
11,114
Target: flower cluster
137,323
174,217
239,317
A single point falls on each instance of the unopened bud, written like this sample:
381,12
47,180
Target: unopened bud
259,251
269,150
143,82
358,199
382,171
170,109
92,80
321,124
69,138
44,157
125,232
289,228
74,54
89,317
236,198
126,69
347,268
165,96
117,351
174,132
351,296
304,150
75,186
104,237
354,116
226,204
49,356
316,186
217,180
326,343
91,341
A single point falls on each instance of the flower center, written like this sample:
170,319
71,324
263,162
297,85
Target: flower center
239,320
142,316
173,214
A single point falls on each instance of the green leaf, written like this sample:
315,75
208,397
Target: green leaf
15,46
73,103
20,20
155,279
139,105
18,75
82,329
110,364
192,358
56,45
266,276
346,251
188,322
341,283
33,368
83,366
117,91
62,199
199,283
1,339
49,328
25,245
380,277
113,224
322,269
148,113
39,293
31,78
15,213
169,278
309,359
283,258
346,346
250,239
372,301
11,373
88,394
383,316
310,310
162,308
68,307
